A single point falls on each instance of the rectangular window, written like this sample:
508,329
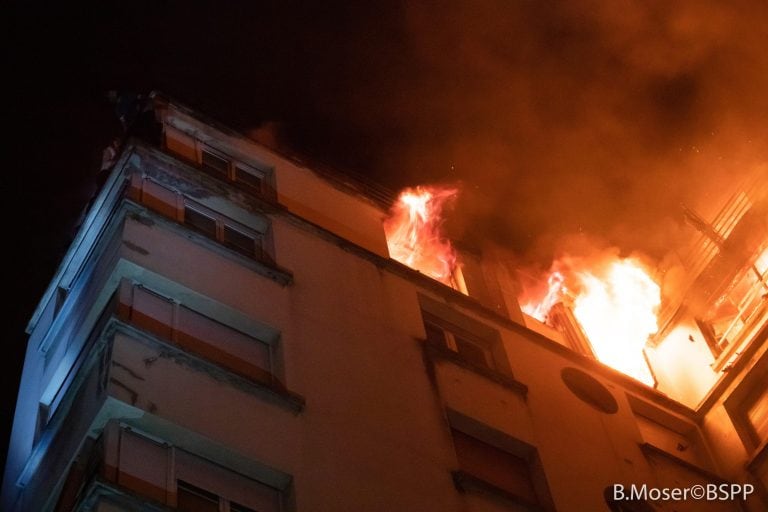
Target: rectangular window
453,335
236,507
248,241
241,242
472,349
214,164
224,230
200,222
190,498
497,467
250,178
737,309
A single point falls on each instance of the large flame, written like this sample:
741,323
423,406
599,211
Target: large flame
614,300
414,236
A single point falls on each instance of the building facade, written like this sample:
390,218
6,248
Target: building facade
227,332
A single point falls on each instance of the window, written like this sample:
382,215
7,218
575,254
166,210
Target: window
246,177
200,221
737,308
190,498
244,239
214,164
222,229
242,242
250,178
494,464
470,348
490,464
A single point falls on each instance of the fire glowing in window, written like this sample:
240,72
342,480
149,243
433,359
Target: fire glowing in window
614,301
414,234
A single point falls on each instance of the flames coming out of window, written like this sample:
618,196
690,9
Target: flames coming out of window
615,302
614,299
414,234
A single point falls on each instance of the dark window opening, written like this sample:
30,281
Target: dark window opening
194,499
472,352
214,165
236,507
435,334
251,179
477,352
241,242
200,222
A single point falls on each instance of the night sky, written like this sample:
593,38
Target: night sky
562,121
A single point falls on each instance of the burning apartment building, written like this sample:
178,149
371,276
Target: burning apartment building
231,330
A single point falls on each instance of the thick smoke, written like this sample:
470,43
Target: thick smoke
565,120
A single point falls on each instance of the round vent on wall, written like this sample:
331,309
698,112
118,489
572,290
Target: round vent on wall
589,390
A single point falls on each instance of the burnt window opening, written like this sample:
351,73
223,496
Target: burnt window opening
737,309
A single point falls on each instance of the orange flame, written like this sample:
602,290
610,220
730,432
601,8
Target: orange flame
615,301
414,236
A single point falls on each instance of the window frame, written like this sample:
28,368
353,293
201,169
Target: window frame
233,165
489,343
222,224
177,212
502,443
223,504
747,310
454,338
226,172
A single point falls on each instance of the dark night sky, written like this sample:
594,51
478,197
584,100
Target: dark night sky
594,117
